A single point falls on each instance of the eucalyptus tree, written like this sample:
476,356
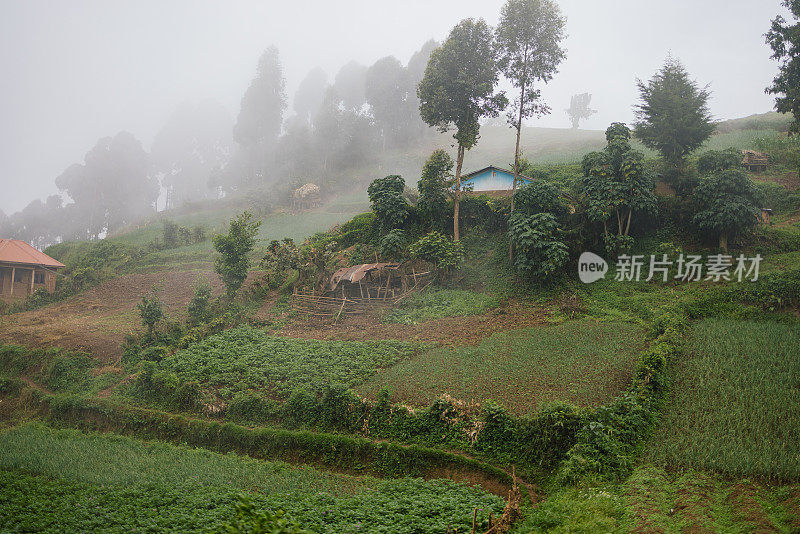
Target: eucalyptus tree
261,115
458,89
528,41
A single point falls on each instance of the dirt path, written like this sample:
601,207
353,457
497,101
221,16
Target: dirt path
98,319
468,330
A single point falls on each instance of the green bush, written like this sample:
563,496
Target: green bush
362,229
439,250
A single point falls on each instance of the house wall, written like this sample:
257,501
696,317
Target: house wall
493,180
22,287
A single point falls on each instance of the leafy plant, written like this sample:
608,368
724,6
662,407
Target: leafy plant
388,204
199,310
151,311
392,244
437,249
234,248
537,239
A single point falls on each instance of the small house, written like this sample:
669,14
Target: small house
493,181
23,270
754,161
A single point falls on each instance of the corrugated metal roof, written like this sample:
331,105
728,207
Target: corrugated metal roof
16,251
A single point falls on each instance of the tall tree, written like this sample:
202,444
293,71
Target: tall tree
349,85
529,43
261,114
387,93
673,117
195,140
579,109
310,94
784,39
459,88
328,129
112,187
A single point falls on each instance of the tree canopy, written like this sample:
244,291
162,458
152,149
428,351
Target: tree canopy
673,116
784,39
234,248
458,88
616,183
729,204
432,187
579,109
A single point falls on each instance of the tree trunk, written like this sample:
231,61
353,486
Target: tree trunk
516,166
723,241
628,224
457,194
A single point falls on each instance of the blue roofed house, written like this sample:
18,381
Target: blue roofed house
493,181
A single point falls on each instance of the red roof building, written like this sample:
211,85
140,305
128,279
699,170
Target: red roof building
23,270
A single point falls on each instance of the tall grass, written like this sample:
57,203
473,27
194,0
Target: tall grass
582,362
736,401
438,303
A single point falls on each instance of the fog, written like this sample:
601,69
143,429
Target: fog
76,71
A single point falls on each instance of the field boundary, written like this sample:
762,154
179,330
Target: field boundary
355,456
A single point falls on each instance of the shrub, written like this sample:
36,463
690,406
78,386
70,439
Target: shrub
234,247
151,312
363,228
439,250
388,204
537,239
392,244
199,310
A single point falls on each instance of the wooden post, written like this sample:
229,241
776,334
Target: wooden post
33,277
13,274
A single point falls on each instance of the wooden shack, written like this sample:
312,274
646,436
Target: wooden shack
23,270
754,161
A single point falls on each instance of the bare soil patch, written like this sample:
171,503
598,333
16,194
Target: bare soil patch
450,331
97,320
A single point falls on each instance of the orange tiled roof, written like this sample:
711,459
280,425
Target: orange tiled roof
16,251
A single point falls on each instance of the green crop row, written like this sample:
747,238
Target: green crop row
329,450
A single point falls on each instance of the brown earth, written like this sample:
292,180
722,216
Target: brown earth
468,330
98,319
748,510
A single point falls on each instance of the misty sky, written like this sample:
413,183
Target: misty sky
75,71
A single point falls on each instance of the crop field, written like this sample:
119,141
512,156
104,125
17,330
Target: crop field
735,401
583,362
65,481
246,358
439,303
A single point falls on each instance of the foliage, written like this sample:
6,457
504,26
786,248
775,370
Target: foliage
363,228
784,39
432,187
251,521
388,204
234,247
733,411
437,249
616,183
151,311
392,244
199,309
528,43
783,151
673,116
611,438
728,204
719,160
245,358
540,197
457,90
176,235
281,258
540,251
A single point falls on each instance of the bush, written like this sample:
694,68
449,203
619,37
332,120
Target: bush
363,228
199,310
151,312
392,245
438,250
388,204
537,238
